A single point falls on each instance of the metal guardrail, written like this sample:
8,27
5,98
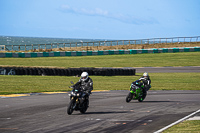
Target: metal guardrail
100,43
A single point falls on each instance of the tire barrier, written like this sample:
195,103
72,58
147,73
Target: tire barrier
67,72
7,71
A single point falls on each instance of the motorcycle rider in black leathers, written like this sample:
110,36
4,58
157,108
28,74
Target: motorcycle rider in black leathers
86,84
146,81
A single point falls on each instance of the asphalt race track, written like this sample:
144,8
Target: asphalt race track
108,112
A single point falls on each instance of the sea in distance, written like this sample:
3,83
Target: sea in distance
16,43
13,42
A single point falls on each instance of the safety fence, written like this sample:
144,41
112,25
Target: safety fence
32,47
90,53
66,71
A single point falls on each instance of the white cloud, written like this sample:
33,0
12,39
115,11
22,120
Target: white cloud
83,11
103,13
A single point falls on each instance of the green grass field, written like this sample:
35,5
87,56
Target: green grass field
185,127
133,60
160,81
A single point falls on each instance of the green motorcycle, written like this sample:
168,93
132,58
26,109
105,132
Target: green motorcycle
137,92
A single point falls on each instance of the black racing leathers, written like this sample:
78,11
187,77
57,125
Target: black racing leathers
86,86
146,82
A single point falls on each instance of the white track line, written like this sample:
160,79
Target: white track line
159,131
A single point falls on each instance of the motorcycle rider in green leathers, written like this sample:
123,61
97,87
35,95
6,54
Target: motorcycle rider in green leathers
146,81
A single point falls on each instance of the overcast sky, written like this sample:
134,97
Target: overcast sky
100,19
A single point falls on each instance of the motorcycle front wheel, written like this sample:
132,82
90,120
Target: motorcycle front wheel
85,106
143,96
70,107
129,97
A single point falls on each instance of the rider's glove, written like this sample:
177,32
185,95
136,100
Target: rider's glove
72,86
88,92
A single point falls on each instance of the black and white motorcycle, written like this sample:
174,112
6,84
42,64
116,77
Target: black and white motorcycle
79,101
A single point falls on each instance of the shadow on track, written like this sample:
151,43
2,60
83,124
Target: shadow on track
110,112
155,102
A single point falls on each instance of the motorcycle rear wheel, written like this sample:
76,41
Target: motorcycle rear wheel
129,97
70,107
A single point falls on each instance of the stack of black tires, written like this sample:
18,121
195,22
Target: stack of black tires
66,71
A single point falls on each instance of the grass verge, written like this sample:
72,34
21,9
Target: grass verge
131,60
160,81
185,127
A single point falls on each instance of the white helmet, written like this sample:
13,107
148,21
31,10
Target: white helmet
145,74
84,76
